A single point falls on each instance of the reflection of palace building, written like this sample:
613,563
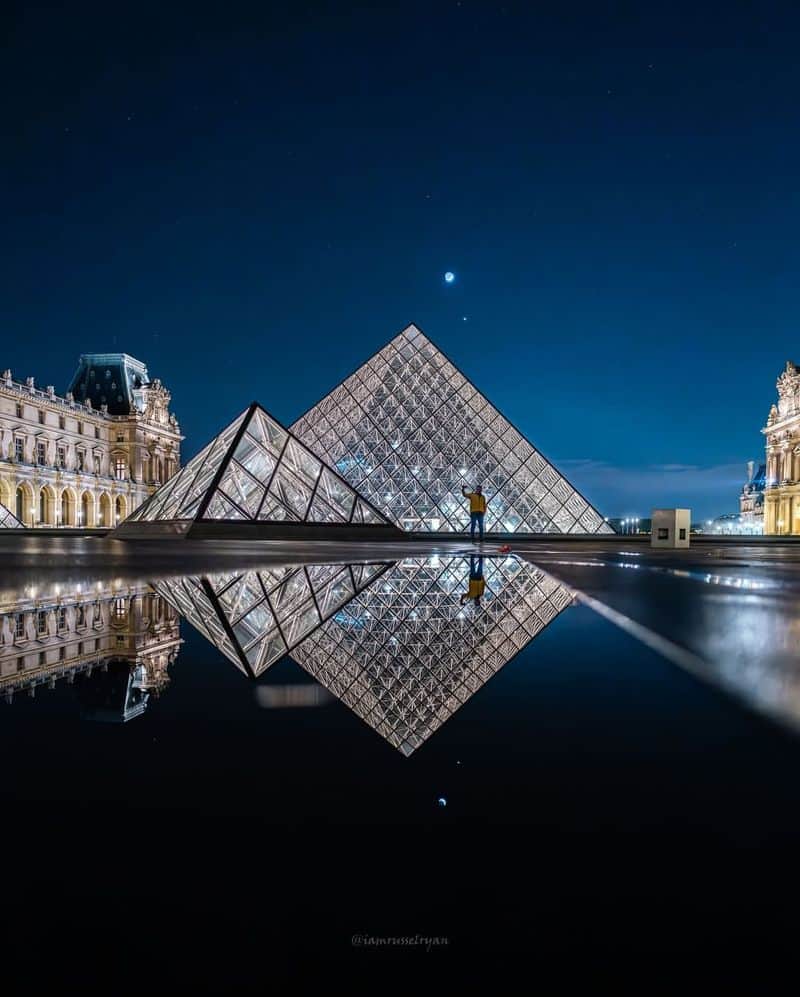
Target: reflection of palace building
91,457
126,635
782,495
751,501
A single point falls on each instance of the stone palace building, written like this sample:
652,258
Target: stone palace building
92,456
782,493
114,640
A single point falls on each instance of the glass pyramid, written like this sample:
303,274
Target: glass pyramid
407,430
403,645
255,471
254,617
407,652
8,521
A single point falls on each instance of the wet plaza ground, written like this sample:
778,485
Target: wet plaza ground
592,767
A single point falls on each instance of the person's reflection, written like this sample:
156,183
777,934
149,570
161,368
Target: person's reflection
477,584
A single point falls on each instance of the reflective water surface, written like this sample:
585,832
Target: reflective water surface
287,754
402,644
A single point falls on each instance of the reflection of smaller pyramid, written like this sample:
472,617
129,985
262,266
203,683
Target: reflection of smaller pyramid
254,617
8,521
254,474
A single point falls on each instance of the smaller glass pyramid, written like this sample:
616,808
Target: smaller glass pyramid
8,521
254,617
255,471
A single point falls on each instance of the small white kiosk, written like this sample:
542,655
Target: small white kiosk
670,528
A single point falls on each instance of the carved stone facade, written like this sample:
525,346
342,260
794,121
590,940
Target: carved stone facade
91,457
63,631
782,493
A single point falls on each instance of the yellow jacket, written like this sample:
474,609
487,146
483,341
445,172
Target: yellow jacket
477,503
477,586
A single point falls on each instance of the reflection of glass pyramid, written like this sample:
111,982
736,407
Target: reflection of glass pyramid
400,644
8,521
407,429
254,617
254,472
405,654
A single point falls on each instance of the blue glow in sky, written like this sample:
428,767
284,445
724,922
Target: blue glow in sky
253,201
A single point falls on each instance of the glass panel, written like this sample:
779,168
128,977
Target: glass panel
242,488
291,492
301,462
220,508
272,436
336,493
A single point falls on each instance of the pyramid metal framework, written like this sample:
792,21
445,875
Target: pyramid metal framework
254,472
408,429
254,617
8,521
404,655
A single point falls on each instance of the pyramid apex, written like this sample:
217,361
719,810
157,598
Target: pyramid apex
412,332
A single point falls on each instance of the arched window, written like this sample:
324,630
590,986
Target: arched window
21,504
42,506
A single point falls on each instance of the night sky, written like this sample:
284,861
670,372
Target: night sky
253,200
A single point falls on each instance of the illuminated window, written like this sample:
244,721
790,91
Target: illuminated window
120,468
41,453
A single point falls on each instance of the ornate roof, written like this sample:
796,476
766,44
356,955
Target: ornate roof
112,379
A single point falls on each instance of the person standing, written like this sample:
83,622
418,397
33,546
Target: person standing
477,583
477,510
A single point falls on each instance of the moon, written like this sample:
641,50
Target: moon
449,277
